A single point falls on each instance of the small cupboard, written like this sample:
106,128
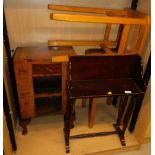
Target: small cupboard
41,83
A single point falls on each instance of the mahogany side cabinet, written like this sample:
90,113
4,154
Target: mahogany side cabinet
41,83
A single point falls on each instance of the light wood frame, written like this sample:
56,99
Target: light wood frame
126,17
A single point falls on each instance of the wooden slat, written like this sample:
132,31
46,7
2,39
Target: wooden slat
119,34
46,75
87,10
124,39
47,95
107,32
143,35
107,50
96,19
63,58
79,43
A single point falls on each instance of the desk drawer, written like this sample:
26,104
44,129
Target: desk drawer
46,69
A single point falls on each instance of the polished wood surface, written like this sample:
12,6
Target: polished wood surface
41,83
97,19
42,53
87,10
24,83
99,88
130,66
80,43
104,76
125,19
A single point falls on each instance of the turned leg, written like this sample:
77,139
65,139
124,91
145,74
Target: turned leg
23,123
92,111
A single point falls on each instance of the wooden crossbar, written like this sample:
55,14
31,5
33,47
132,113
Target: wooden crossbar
87,10
124,38
80,43
106,49
97,19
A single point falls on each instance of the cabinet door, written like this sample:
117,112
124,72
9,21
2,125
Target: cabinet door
23,75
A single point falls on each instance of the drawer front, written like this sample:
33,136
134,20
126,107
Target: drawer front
46,68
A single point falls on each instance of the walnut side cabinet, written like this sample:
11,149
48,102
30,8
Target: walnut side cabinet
41,83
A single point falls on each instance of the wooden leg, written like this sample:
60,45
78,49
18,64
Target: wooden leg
68,120
92,110
121,109
109,100
135,113
23,123
73,118
126,119
128,114
114,101
84,102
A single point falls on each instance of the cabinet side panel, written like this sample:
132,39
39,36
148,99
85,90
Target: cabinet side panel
23,75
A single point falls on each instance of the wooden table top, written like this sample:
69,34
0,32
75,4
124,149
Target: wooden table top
42,53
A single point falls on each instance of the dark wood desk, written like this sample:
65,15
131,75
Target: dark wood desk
104,76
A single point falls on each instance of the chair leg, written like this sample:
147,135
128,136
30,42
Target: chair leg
84,102
92,110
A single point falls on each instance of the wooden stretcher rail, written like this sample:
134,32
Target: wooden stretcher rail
106,49
80,43
87,10
97,19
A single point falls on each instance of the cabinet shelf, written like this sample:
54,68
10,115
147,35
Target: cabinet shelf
47,95
46,75
47,85
47,105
